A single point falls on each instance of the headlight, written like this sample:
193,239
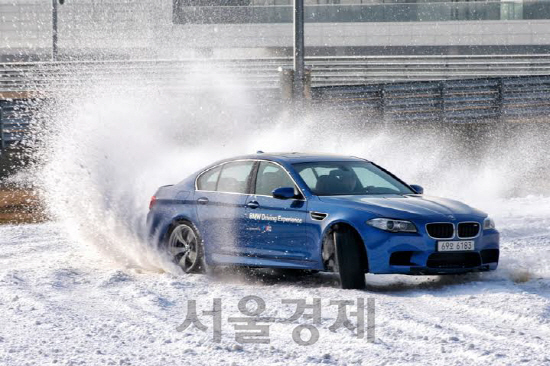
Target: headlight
488,224
394,226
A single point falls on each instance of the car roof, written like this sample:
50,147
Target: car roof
297,157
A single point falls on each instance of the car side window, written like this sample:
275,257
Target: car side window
208,180
234,177
270,177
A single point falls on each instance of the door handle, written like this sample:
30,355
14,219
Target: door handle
253,204
202,201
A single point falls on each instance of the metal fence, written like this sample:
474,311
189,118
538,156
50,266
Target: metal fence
365,87
178,75
263,73
475,100
378,69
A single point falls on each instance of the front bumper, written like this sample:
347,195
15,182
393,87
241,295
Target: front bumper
416,254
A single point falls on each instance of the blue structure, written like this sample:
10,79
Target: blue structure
320,213
15,121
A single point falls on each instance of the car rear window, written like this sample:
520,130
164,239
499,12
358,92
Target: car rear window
208,180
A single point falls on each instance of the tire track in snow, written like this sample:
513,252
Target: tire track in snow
86,310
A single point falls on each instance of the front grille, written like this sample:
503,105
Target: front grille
440,230
454,260
468,229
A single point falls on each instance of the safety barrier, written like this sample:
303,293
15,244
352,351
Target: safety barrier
388,88
263,73
472,100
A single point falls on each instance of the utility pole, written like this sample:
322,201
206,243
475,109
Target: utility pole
54,28
299,50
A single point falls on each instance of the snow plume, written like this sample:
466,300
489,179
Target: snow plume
110,144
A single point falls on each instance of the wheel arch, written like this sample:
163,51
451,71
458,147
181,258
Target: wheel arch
342,225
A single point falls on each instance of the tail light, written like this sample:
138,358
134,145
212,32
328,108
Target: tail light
152,202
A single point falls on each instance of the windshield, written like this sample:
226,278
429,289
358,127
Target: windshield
349,178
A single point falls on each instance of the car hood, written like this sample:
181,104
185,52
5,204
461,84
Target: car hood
408,206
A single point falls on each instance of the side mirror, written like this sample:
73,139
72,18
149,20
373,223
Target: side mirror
284,193
418,189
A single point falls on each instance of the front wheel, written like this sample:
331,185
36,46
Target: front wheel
185,247
349,264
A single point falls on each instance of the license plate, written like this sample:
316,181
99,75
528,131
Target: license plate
454,246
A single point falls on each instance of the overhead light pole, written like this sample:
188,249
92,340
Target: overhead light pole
299,51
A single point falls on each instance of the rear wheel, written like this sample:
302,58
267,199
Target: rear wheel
185,247
349,259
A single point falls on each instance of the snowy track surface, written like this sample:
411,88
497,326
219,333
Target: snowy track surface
61,304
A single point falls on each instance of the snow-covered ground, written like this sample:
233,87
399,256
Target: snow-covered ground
62,303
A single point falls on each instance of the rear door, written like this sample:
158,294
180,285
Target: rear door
221,196
275,227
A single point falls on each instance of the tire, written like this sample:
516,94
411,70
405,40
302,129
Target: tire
349,259
184,245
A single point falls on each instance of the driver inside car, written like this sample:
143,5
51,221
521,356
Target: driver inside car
347,181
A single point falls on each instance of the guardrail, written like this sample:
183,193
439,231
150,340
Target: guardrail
263,73
358,71
168,74
474,100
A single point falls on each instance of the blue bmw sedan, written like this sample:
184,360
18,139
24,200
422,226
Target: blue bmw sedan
317,213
